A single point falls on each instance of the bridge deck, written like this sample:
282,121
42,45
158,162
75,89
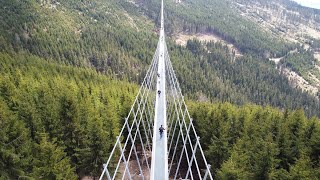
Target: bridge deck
159,158
159,164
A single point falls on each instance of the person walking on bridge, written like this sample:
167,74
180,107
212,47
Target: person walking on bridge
161,129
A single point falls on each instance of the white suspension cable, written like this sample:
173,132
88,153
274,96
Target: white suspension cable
139,128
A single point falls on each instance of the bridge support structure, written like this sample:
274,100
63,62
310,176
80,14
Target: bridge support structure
178,153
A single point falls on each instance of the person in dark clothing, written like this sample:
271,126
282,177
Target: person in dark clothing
161,129
159,92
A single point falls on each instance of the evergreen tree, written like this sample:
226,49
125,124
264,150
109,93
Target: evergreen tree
15,145
51,162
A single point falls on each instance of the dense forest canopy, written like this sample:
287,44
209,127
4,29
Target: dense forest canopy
69,72
252,142
57,121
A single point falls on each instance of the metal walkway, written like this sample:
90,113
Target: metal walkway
159,165
139,151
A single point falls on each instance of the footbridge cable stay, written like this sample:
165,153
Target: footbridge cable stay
140,152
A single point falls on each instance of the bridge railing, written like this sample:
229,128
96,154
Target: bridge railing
186,157
130,155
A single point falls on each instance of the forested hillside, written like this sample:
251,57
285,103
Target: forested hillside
95,34
247,79
293,23
69,72
117,39
219,18
57,122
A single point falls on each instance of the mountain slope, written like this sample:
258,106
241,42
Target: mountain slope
118,38
79,33
220,18
293,23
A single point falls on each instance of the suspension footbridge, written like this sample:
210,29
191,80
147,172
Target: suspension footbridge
140,152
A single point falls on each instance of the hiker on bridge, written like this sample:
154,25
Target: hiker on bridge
161,129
